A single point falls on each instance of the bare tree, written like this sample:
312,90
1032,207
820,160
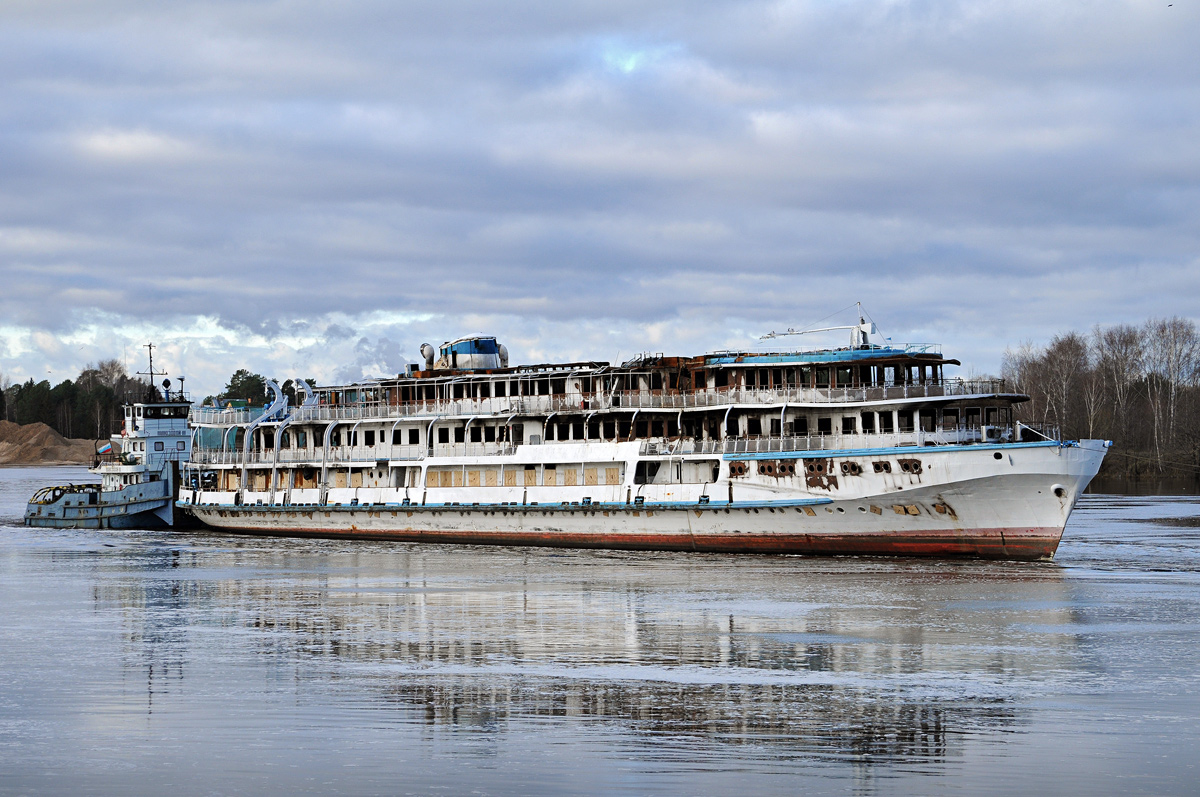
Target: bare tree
1172,363
1120,357
1066,361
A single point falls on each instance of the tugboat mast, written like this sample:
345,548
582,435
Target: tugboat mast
150,373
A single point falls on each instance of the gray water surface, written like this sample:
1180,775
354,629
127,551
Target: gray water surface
150,662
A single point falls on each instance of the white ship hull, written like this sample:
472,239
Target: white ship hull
1007,501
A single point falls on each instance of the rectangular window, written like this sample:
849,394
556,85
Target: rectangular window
500,389
822,377
950,418
414,437
844,377
489,434
800,425
885,423
848,424
444,434
397,437
753,427
868,422
905,419
972,417
180,445
476,434
824,425
370,437
158,445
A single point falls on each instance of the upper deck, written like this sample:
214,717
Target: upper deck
831,377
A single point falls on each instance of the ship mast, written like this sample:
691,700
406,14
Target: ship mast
151,373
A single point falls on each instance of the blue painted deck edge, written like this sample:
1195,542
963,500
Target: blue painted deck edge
796,502
883,452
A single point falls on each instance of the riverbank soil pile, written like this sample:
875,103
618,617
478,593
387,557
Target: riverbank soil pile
38,444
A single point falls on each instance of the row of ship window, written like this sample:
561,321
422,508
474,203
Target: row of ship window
748,426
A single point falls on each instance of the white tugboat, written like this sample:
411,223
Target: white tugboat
139,471
865,449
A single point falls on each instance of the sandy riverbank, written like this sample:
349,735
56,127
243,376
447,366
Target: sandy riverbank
38,444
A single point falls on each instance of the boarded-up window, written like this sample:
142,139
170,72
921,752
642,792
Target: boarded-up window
510,478
490,478
530,476
550,476
590,477
455,479
472,478
569,476
612,475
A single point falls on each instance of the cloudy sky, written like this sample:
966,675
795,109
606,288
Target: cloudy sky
314,188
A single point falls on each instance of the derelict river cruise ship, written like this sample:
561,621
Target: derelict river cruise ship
867,449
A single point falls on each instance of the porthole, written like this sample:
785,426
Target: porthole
841,510
862,509
998,455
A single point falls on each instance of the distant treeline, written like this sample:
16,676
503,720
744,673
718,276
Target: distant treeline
1138,386
90,406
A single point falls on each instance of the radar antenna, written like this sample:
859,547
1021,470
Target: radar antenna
860,333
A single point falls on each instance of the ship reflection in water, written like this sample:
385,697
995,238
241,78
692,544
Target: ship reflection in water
140,662
872,661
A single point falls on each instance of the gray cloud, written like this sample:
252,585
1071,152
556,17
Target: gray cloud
987,173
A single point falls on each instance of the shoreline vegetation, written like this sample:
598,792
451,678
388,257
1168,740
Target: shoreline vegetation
1138,386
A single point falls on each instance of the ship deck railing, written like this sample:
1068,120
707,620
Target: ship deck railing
370,455
829,442
342,455
617,400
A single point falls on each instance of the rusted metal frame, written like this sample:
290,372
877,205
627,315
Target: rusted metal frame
429,433
350,458
277,405
392,437
325,458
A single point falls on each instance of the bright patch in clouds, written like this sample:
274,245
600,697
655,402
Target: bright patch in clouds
133,145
